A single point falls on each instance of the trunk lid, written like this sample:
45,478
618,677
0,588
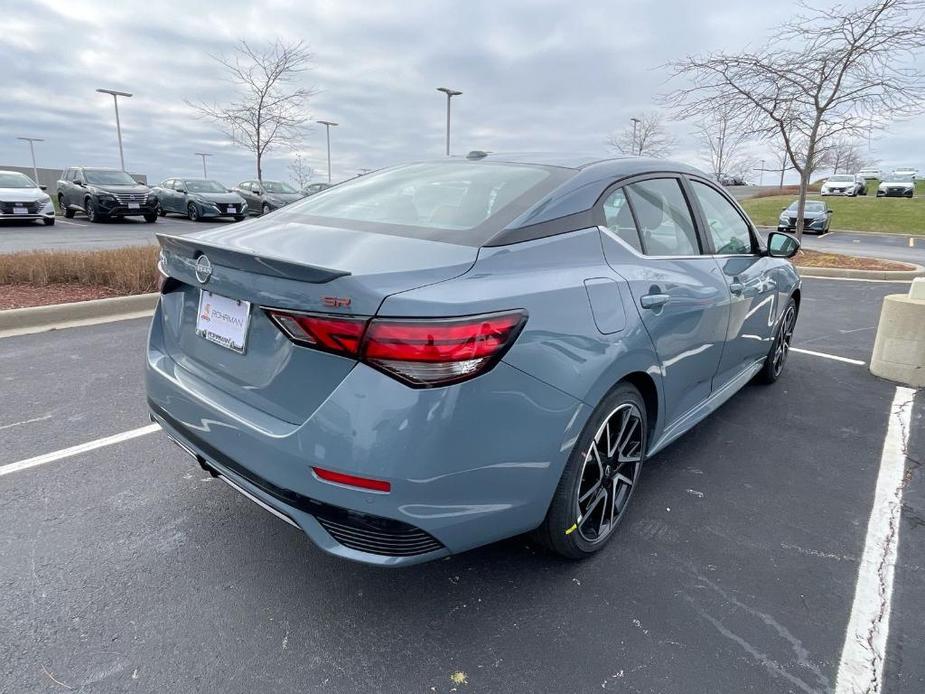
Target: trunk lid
294,266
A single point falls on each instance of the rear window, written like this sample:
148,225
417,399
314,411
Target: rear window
451,201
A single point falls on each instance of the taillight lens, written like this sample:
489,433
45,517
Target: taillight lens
420,352
438,352
338,334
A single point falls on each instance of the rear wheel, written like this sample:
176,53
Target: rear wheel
780,347
599,478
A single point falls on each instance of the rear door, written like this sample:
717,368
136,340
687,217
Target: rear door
680,293
734,246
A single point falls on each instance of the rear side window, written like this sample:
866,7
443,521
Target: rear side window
665,222
728,231
439,199
618,217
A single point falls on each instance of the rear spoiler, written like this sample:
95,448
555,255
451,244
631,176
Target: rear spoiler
191,249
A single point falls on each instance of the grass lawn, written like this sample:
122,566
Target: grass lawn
869,213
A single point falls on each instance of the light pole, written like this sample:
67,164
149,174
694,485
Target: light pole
31,140
761,173
205,174
115,101
450,93
635,123
328,124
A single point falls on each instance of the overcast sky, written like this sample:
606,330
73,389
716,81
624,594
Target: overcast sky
536,76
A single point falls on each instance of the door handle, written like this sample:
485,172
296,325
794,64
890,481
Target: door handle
736,288
654,301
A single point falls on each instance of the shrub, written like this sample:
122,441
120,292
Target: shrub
129,270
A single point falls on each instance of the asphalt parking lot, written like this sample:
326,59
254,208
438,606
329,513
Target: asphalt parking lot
127,569
78,234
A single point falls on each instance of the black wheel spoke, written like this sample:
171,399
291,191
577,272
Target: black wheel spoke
611,465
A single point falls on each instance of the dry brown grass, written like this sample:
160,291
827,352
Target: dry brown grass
130,270
809,259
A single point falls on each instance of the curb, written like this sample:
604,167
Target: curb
848,273
899,234
22,321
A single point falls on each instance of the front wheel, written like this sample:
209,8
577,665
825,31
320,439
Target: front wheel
780,347
49,221
151,217
239,218
265,209
192,212
599,478
92,215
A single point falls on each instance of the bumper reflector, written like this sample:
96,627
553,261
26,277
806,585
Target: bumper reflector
352,480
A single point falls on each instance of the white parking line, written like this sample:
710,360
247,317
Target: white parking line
75,450
861,667
64,221
824,355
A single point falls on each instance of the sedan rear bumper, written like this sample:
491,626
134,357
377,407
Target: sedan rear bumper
467,464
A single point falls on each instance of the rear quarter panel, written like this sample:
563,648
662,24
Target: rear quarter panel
561,344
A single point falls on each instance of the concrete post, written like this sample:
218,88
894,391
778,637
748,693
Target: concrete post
899,350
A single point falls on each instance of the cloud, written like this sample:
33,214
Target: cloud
536,76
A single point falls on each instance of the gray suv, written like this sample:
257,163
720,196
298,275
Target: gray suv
265,196
103,194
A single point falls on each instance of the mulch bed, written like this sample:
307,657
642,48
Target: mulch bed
805,258
25,295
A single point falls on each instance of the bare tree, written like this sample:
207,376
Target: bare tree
649,137
723,136
843,156
299,171
826,74
269,108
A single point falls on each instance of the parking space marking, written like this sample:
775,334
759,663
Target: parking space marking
64,221
861,667
75,450
833,357
853,279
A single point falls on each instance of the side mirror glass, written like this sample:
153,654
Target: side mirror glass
43,187
181,190
781,245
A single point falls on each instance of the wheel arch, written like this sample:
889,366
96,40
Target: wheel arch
645,384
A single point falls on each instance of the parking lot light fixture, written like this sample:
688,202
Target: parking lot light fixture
328,124
115,100
205,173
635,124
450,93
32,141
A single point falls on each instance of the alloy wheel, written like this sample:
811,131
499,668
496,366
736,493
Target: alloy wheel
785,334
609,472
91,210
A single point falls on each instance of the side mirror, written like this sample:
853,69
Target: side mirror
829,211
79,183
181,190
781,245
43,187
783,209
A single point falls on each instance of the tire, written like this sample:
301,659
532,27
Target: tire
68,212
265,209
161,212
151,218
92,215
192,212
581,521
49,221
239,218
780,348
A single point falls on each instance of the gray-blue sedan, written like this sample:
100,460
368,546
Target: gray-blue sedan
446,353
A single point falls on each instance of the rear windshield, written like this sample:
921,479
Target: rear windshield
449,201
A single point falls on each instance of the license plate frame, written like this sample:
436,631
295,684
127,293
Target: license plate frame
134,205
20,210
229,319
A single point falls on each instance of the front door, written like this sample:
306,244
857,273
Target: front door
752,287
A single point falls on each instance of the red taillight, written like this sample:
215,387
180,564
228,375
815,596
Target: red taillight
337,334
353,480
420,352
438,352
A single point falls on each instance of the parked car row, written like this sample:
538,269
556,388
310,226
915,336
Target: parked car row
103,194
